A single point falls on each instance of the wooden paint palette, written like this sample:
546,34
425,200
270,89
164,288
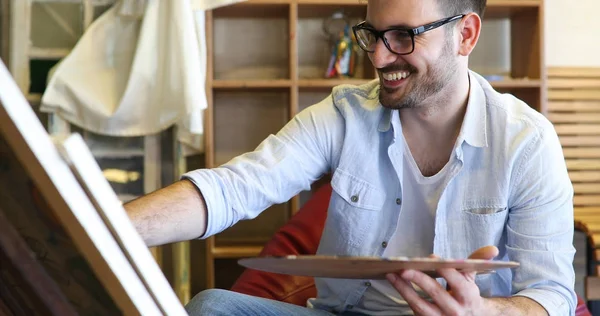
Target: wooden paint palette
366,267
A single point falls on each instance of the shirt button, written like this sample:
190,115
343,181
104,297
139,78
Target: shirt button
367,283
384,244
398,201
354,198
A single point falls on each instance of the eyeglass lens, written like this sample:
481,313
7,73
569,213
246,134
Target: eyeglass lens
398,41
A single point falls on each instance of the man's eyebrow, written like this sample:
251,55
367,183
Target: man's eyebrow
397,26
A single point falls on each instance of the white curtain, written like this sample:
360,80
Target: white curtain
137,70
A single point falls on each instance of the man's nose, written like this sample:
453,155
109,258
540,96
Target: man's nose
381,57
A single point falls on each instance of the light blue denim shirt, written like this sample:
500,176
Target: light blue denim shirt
509,187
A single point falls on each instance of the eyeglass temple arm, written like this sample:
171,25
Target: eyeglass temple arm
434,25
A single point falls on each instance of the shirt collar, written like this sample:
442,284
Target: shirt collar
473,130
386,120
474,126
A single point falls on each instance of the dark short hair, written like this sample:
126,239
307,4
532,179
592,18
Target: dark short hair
454,7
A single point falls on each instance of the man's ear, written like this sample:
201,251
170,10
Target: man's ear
469,31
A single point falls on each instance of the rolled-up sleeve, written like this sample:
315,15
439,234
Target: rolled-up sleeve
554,303
540,226
279,168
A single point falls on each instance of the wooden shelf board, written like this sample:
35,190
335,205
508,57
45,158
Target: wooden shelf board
516,83
270,8
34,98
116,153
583,219
514,3
232,252
329,83
574,83
93,2
281,2
592,227
490,3
574,73
257,9
332,2
243,84
579,211
48,53
322,9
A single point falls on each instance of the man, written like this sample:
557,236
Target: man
429,159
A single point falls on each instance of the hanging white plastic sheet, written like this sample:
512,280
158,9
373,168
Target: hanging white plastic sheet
137,70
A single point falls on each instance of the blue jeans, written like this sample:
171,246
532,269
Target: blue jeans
215,302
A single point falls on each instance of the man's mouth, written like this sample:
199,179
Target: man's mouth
396,76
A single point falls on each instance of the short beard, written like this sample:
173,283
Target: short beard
440,76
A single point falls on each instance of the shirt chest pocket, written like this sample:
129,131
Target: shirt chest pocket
355,205
485,222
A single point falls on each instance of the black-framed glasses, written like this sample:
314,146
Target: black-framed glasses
398,40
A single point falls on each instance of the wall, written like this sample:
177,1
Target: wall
572,34
572,38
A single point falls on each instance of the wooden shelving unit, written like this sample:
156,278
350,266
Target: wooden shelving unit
266,62
246,84
236,251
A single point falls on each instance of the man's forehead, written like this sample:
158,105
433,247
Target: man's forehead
405,13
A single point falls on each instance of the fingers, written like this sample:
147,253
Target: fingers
460,285
419,305
444,302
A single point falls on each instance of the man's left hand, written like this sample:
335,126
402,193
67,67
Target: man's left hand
462,298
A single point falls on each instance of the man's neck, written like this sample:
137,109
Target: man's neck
431,131
441,115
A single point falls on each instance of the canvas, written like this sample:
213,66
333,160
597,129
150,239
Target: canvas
25,286
77,235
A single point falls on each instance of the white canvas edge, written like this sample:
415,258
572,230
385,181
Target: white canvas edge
59,173
118,221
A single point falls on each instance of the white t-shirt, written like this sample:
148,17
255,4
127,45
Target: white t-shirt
414,235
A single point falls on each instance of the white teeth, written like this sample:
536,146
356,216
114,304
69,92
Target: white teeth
396,75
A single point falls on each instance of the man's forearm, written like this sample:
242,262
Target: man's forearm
174,213
514,306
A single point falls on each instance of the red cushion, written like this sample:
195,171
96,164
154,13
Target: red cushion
582,309
301,235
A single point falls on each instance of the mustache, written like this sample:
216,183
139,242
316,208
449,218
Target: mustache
396,68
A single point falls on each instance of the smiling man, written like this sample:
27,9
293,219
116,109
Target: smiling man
428,159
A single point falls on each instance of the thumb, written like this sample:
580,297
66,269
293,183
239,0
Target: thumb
485,253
